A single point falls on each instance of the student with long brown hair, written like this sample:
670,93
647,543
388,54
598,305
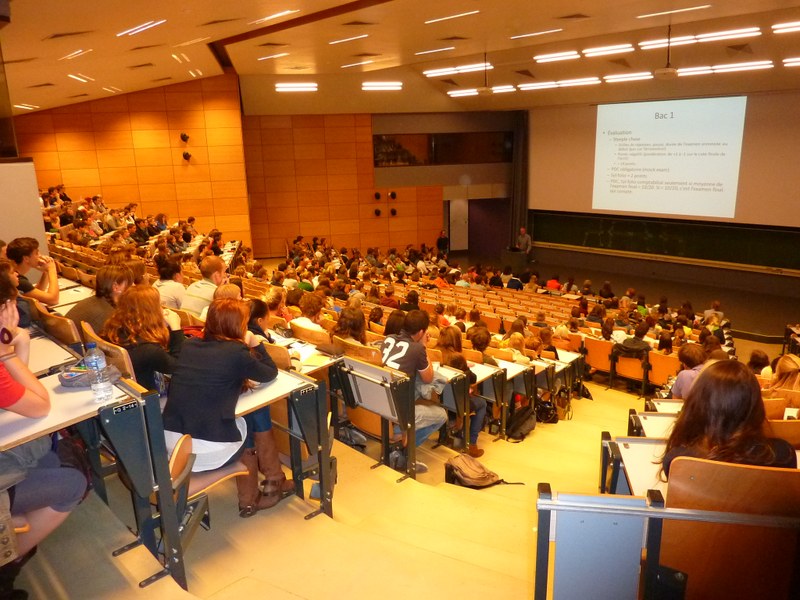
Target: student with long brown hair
351,326
723,419
152,335
449,343
202,402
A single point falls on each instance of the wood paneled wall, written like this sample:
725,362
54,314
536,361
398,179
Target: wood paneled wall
313,175
128,148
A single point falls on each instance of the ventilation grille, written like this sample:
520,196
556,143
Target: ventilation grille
147,47
366,55
574,17
58,36
141,66
17,61
453,38
161,79
274,44
41,85
219,22
526,73
354,23
78,96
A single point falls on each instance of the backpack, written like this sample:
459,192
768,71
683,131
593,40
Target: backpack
466,471
546,412
522,422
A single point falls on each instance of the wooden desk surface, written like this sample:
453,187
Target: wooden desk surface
68,406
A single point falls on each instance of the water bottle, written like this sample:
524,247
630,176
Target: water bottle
95,360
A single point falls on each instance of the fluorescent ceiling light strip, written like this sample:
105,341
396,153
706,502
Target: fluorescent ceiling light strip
576,82
672,12
676,41
358,64
79,77
606,50
177,58
296,87
381,86
350,39
786,27
569,55
456,70
458,16
434,50
727,35
194,41
271,56
26,106
688,71
534,34
141,28
278,15
791,62
110,90
503,89
460,93
76,54
538,86
628,77
747,66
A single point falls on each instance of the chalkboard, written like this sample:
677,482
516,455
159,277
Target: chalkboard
777,247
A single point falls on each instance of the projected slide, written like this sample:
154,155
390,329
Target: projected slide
677,157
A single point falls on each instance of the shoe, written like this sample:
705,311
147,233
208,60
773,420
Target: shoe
474,451
397,460
421,467
269,465
251,499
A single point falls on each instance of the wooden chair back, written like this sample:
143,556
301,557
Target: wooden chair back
500,353
115,355
732,561
373,337
631,368
368,354
276,320
376,327
793,396
61,328
598,354
188,319
662,366
774,407
472,355
434,355
70,273
312,336
328,324
788,430
87,280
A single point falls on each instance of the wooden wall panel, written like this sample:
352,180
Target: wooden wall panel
128,149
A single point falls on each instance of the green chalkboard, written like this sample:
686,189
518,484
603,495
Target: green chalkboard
777,247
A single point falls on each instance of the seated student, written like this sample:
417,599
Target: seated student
394,323
517,326
200,294
759,360
170,283
411,301
388,299
258,323
276,302
597,315
405,352
553,283
665,342
449,343
18,337
637,343
723,419
351,326
226,290
481,338
786,374
546,335
311,306
202,402
714,310
541,320
496,280
110,283
152,336
39,488
692,357
516,344
24,253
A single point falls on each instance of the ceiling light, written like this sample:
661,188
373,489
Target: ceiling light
728,35
461,93
278,15
112,89
541,85
456,70
569,55
459,15
672,12
141,28
791,62
381,86
534,34
628,77
271,56
296,87
606,50
786,27
80,77
434,50
745,66
190,42
688,71
181,58
76,54
503,89
357,64
350,39
26,106
581,81
663,43
195,72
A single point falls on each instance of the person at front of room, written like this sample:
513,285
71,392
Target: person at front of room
24,252
406,353
723,419
39,488
202,401
443,243
524,242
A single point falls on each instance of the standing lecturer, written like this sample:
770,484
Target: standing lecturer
524,242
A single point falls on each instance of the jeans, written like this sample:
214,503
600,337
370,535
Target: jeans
427,419
477,406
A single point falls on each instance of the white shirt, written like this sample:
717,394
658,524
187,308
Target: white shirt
172,293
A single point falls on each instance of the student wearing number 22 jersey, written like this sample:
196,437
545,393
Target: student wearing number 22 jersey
406,352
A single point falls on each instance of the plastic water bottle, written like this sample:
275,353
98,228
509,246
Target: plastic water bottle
95,360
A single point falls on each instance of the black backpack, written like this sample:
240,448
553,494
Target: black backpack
546,412
522,422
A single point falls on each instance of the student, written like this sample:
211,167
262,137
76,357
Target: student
170,283
406,352
692,357
200,294
723,419
110,283
351,326
24,252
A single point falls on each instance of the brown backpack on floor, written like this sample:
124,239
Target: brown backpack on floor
466,471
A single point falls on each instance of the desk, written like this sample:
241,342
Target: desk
267,393
638,459
664,406
47,355
305,357
65,284
651,425
68,297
